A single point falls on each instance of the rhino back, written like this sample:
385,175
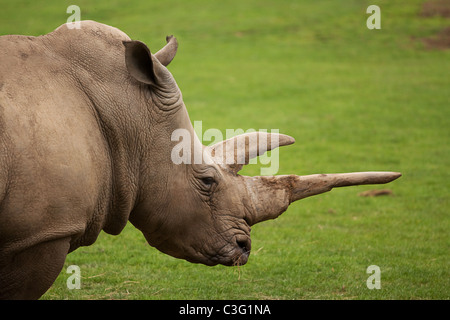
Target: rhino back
54,168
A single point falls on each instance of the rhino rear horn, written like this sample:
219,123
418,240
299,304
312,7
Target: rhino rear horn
232,154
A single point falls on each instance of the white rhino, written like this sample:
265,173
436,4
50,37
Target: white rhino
86,117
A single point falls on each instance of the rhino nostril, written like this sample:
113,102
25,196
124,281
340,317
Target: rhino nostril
244,245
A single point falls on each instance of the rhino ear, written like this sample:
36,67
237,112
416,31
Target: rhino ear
167,53
138,59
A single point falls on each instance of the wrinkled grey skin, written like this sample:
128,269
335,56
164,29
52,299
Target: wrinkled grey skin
86,117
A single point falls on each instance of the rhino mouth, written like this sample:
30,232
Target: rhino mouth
236,253
243,251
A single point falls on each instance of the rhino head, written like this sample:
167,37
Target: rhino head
202,211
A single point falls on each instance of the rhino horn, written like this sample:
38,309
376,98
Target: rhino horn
271,195
167,53
232,154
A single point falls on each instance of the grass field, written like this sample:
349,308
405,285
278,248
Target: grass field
354,99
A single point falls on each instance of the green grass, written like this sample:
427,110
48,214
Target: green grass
354,99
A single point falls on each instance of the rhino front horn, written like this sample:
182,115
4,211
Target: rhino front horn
271,196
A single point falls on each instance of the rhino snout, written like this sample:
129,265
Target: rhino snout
243,247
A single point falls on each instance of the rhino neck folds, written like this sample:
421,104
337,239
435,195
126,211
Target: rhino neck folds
122,152
165,100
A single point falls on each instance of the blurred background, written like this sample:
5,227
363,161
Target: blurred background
354,99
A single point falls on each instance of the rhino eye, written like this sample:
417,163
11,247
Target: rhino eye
207,184
208,181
